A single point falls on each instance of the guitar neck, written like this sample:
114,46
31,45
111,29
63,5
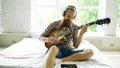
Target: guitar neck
63,33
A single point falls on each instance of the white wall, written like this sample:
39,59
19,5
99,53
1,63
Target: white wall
7,39
16,16
111,43
0,14
16,21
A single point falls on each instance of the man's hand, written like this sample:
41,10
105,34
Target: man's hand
54,40
84,29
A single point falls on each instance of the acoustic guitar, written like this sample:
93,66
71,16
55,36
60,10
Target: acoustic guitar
61,33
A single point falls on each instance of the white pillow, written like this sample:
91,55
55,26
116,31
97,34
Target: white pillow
35,34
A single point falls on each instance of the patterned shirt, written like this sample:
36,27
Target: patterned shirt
70,39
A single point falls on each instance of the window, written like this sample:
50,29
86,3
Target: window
88,12
44,12
118,26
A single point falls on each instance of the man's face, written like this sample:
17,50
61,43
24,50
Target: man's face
69,14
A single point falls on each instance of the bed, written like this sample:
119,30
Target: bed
30,53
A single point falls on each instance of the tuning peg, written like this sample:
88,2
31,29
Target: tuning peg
107,23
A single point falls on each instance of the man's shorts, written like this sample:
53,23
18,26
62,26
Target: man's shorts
64,52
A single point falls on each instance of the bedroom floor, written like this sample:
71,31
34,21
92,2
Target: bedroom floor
113,56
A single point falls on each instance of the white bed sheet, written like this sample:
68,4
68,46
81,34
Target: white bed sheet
29,53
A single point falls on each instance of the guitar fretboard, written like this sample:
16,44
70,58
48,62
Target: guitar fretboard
63,33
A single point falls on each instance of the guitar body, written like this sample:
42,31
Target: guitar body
55,33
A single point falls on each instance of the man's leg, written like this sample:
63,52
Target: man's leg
79,56
51,57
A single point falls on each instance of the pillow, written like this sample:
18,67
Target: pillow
37,32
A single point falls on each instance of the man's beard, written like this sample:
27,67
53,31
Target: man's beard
66,23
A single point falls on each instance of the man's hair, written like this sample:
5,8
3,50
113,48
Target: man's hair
70,7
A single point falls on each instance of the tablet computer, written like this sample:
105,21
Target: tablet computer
68,66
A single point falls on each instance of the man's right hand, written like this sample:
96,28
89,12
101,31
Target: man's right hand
54,40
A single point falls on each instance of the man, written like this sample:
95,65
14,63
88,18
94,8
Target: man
65,50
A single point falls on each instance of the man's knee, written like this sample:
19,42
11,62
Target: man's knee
54,50
89,52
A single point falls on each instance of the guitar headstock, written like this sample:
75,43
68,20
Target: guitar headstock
103,21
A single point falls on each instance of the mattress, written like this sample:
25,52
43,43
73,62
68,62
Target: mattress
30,53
